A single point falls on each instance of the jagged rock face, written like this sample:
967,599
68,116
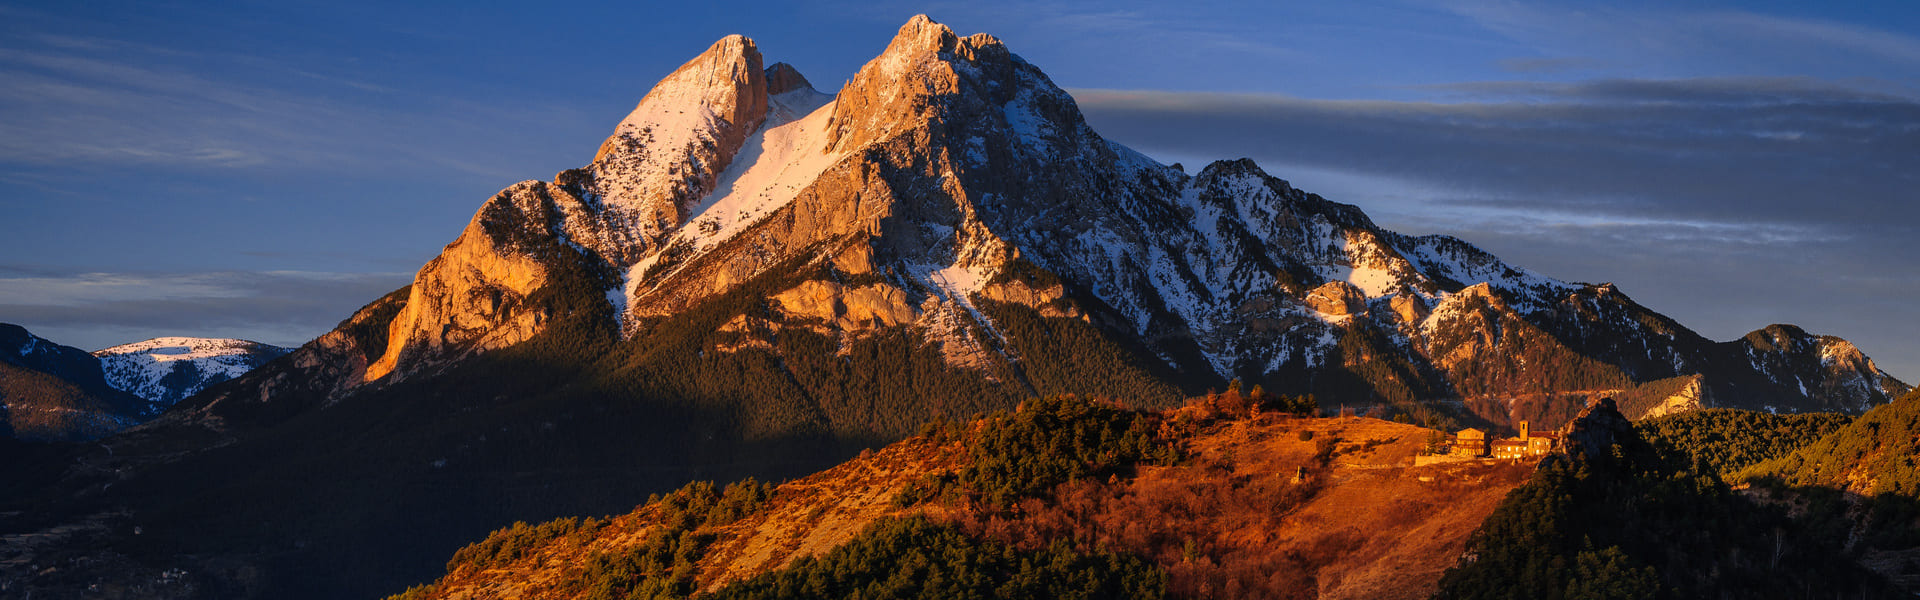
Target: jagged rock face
949,172
783,78
1594,433
1691,396
317,373
480,293
848,309
670,151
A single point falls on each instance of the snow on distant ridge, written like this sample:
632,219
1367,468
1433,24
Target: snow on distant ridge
166,370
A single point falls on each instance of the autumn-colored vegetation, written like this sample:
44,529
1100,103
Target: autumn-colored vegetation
1254,509
1065,496
1879,453
917,558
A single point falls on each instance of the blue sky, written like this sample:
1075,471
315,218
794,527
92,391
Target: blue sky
260,170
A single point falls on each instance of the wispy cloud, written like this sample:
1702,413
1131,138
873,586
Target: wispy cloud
1688,42
1747,150
1857,38
71,100
1548,65
99,309
82,101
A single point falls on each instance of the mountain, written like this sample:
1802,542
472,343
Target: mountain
951,194
52,392
168,369
1873,455
754,278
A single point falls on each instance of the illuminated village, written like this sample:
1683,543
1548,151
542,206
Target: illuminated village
1473,443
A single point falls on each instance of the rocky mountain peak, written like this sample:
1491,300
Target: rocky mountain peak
920,34
896,90
669,152
1779,337
949,173
783,78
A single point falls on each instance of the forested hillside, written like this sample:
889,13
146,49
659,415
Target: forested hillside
1875,454
1626,522
1722,441
1064,497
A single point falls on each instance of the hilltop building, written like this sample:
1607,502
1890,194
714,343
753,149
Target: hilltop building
1474,443
1470,442
1527,444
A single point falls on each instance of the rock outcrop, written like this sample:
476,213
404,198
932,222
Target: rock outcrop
1595,432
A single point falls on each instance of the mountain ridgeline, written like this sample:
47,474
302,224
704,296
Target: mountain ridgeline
951,200
53,392
753,277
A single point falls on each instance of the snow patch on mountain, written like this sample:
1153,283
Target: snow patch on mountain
1446,257
783,157
1374,281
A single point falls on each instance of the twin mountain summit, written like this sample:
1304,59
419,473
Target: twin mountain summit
756,278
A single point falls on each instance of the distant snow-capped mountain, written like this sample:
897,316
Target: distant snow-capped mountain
165,370
54,392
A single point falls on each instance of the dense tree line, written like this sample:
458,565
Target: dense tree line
1722,441
664,566
1632,525
916,558
517,541
1882,446
1046,442
1861,482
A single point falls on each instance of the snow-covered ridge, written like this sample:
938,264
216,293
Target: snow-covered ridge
779,160
166,370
